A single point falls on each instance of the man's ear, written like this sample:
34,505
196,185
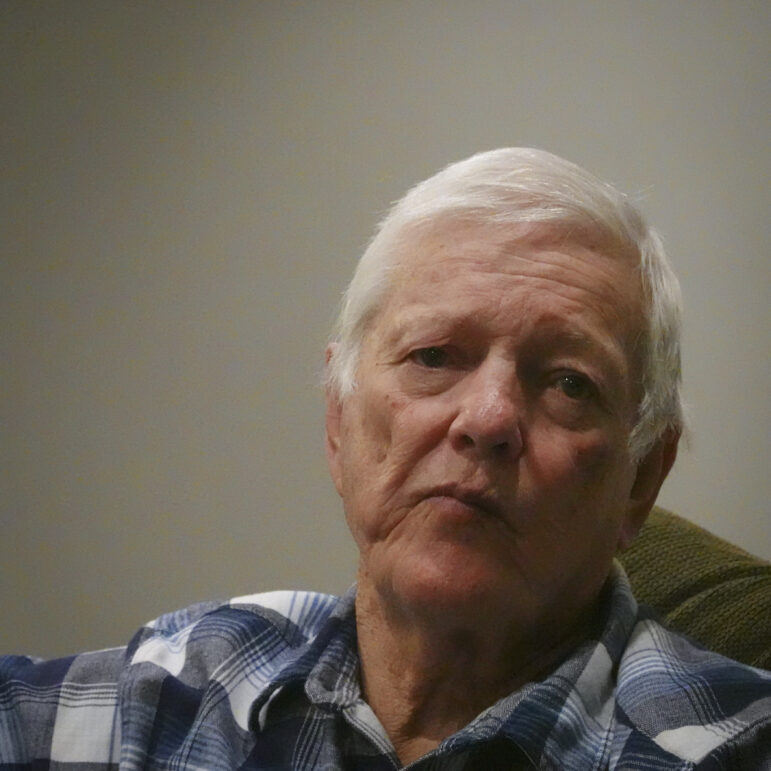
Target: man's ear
650,474
333,418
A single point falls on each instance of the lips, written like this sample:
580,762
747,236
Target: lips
477,499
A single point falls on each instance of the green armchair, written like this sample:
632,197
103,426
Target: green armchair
703,587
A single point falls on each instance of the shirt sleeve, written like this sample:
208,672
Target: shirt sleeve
61,710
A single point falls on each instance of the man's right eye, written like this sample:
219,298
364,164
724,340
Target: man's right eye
432,357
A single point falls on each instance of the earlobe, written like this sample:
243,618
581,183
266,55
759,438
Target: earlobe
650,474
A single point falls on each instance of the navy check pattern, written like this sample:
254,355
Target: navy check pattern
271,681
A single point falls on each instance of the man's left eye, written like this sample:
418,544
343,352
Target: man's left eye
432,357
575,386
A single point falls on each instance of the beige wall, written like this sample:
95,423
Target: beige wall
186,187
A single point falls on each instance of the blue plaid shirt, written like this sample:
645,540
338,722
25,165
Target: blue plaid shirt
271,682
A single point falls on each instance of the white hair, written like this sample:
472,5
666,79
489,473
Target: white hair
511,186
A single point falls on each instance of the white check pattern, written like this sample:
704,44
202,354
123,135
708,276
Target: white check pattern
270,681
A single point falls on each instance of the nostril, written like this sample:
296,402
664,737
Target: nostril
501,447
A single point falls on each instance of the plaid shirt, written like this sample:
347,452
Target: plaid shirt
271,682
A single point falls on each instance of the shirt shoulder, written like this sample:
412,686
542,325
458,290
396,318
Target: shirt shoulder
193,678
693,704
295,615
84,708
247,637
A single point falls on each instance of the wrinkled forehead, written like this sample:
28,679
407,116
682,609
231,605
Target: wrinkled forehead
420,248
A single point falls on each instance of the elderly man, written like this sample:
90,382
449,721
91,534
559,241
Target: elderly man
502,408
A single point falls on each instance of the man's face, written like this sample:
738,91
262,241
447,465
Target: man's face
482,458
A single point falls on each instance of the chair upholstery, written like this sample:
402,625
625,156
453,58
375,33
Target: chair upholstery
704,587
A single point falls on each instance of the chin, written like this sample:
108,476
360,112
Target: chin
465,586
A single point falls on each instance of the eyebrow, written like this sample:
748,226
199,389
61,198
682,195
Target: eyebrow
406,321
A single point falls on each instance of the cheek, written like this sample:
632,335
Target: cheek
392,429
576,491
580,464
366,456
366,427
606,477
594,458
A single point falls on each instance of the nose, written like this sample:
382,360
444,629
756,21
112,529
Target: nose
490,411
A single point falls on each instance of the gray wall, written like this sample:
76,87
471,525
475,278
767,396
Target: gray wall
186,187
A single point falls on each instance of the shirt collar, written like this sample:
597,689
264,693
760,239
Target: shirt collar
328,665
333,682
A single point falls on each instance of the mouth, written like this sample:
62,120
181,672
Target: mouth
479,500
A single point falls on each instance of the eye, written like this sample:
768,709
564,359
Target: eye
432,357
575,386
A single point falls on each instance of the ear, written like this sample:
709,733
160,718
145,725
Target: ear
333,420
650,474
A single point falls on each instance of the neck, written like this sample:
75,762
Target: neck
427,677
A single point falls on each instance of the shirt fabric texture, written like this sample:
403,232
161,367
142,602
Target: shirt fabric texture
271,681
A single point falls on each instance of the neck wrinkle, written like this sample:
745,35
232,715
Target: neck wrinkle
425,684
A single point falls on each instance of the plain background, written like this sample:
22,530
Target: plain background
186,187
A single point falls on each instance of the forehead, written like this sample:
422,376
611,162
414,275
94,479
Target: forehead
541,257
